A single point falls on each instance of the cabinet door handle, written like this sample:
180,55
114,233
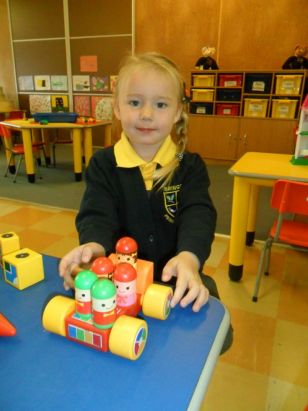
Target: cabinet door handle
245,139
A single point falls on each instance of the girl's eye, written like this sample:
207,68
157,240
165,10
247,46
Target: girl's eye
134,103
161,105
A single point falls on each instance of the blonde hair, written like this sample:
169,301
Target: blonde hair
164,65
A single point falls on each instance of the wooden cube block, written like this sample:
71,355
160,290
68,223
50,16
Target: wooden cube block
9,242
23,268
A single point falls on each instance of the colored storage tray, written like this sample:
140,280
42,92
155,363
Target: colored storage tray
284,108
223,109
288,84
258,83
201,108
230,94
230,80
56,117
202,94
203,80
255,107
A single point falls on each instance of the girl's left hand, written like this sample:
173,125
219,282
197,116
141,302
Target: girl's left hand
185,266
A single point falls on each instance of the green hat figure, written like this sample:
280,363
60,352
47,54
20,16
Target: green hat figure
83,283
103,294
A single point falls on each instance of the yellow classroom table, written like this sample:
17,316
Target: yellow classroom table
250,172
81,138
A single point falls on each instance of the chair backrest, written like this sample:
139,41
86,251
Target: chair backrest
5,132
290,197
17,114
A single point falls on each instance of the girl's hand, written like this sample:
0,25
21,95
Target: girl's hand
76,260
185,266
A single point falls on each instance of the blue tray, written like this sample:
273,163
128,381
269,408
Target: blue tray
56,117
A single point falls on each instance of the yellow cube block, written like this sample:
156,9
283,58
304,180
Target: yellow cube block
9,242
23,268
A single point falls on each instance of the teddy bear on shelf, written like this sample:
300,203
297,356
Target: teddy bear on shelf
298,61
206,62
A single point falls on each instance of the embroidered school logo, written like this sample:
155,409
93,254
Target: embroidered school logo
171,201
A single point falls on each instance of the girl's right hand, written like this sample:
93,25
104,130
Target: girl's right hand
77,260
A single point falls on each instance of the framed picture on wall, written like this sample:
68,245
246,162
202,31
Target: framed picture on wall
39,103
59,103
58,83
81,83
102,108
42,83
25,83
82,105
99,83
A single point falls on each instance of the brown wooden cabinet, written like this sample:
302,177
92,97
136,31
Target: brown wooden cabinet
232,112
228,138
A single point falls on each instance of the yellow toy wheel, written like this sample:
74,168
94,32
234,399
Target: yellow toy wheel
55,312
156,301
128,337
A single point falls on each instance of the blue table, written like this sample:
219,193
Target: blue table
44,371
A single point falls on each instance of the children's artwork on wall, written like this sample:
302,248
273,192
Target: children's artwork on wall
25,83
39,103
42,83
102,108
99,83
81,83
113,81
59,103
82,105
58,83
88,64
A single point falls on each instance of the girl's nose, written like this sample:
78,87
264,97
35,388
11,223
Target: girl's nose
146,112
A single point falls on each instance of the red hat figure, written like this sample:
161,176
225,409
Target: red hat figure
126,251
103,267
124,278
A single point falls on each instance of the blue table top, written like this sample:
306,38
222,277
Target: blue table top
43,371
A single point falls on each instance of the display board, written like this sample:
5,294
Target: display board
67,53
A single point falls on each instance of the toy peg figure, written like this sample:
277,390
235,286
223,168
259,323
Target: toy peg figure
103,267
206,62
125,277
126,251
103,294
298,60
83,283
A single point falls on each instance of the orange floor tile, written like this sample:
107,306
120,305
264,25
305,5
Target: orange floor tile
267,366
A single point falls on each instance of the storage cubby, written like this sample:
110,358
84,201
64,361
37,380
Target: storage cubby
256,94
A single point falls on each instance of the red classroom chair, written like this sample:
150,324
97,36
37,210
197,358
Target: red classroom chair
16,150
287,197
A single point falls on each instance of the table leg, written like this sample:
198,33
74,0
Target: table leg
87,144
252,214
77,140
240,207
45,139
27,142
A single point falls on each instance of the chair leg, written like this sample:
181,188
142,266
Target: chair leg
263,257
54,154
8,166
268,256
17,168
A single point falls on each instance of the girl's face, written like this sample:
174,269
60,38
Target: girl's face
147,108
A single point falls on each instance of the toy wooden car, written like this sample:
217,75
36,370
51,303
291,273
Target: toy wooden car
103,313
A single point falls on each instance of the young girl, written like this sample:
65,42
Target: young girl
148,187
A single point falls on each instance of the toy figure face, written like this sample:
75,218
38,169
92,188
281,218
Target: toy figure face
148,108
104,305
125,288
126,258
82,295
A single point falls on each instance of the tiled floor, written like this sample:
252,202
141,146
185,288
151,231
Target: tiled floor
267,366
